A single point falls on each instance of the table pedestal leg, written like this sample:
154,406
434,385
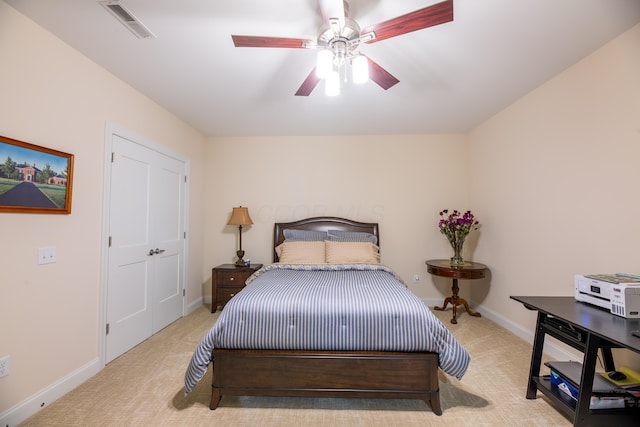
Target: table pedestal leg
455,301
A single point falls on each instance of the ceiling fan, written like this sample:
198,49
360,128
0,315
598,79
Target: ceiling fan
340,36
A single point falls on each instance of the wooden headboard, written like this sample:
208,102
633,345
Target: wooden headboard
322,223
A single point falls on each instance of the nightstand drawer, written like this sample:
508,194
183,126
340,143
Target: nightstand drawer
232,278
226,293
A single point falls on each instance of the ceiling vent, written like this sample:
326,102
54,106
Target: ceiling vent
127,19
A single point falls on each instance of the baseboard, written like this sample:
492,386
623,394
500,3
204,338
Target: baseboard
553,348
194,306
23,410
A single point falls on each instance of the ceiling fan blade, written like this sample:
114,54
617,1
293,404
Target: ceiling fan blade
309,84
429,16
259,41
332,9
382,77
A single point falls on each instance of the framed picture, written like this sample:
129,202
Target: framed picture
34,179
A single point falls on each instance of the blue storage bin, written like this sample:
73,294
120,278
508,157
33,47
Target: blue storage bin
565,387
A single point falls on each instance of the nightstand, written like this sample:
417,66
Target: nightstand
226,281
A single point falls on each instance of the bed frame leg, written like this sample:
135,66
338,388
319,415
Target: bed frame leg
434,403
215,399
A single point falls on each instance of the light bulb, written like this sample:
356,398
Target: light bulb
324,65
332,84
360,66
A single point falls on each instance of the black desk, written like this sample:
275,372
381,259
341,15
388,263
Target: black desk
589,329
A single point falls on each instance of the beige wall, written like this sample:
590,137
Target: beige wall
556,176
401,182
55,97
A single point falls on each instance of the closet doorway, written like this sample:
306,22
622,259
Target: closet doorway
145,236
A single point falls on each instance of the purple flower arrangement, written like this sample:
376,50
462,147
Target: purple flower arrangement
456,226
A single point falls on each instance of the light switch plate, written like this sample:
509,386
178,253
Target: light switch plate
47,255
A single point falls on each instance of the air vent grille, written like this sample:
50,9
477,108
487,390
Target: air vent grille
120,12
126,18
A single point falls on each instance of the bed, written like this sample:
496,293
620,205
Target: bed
331,329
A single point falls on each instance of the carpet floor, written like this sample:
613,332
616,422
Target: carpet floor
144,387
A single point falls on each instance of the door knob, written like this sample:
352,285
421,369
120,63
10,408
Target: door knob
155,251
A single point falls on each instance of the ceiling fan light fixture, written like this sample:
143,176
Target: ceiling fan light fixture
324,64
360,68
332,84
341,36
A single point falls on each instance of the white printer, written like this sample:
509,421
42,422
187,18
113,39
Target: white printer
625,300
618,293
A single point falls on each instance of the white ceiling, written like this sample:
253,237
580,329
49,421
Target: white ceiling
452,76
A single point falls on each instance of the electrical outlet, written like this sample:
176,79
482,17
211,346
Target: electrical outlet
4,366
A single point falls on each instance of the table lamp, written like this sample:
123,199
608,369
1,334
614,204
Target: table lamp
240,216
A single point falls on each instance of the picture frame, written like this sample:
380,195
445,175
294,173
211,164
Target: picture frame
34,179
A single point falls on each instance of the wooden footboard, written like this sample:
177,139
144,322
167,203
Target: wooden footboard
390,375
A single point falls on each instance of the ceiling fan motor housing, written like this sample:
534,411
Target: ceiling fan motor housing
342,42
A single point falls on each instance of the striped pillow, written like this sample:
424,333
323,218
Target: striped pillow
352,236
294,235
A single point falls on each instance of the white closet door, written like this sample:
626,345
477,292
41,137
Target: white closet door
168,235
146,259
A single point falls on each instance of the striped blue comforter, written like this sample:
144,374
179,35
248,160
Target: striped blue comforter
328,307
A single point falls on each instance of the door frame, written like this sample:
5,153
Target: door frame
110,131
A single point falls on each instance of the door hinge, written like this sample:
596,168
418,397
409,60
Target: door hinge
107,329
185,179
109,241
185,234
184,292
113,156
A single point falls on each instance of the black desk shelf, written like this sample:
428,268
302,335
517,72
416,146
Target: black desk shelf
588,329
543,384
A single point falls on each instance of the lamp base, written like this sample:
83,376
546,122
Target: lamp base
240,262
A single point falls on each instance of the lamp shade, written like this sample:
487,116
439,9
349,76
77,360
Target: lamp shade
240,216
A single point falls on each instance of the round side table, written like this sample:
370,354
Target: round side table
470,270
